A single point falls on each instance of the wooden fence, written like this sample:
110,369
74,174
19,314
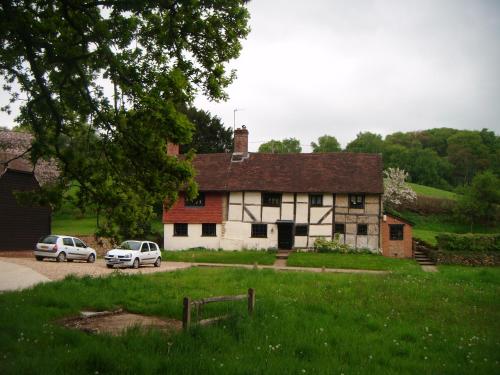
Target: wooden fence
188,305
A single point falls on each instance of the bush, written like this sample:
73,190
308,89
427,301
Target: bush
469,242
322,245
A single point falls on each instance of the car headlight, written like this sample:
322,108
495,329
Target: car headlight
107,253
128,255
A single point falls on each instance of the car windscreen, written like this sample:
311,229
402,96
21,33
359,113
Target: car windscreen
51,240
130,245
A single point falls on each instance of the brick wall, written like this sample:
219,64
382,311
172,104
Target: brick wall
210,213
399,249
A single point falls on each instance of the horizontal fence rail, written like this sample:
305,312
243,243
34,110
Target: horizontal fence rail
198,305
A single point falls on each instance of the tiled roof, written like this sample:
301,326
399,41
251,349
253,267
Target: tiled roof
339,172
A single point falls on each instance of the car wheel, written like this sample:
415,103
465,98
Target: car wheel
91,258
61,257
158,262
136,263
109,265
39,258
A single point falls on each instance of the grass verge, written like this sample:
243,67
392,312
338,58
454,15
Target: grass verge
226,257
354,261
444,323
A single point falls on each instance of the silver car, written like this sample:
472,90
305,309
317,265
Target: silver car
63,248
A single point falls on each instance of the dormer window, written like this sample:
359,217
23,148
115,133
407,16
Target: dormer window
356,201
199,201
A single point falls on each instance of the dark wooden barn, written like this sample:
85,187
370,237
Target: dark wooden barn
20,226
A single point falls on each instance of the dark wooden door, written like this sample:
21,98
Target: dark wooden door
285,236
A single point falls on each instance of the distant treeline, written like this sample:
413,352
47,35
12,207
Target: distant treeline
440,157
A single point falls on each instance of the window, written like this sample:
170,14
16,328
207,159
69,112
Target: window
199,201
153,246
144,247
301,230
356,201
180,230
79,243
396,232
316,200
68,242
339,228
362,229
271,199
49,240
209,230
259,230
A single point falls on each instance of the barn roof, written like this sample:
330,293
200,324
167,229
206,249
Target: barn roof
336,172
13,144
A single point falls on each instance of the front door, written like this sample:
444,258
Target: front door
285,235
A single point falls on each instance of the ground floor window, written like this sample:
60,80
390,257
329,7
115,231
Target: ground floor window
362,229
301,230
339,228
209,230
180,229
396,232
259,230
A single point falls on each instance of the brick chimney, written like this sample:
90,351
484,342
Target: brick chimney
172,149
241,141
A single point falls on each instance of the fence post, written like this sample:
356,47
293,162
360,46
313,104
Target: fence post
251,300
186,313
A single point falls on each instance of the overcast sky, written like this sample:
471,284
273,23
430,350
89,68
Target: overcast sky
318,67
310,68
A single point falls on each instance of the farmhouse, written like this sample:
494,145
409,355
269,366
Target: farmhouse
286,201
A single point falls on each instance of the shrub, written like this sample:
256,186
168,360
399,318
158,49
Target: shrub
469,242
322,245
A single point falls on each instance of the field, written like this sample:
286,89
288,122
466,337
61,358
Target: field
432,192
444,323
214,256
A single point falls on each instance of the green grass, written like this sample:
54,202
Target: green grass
214,256
444,323
427,227
432,192
355,261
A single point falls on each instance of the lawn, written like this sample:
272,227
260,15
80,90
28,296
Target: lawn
214,256
359,261
444,323
432,192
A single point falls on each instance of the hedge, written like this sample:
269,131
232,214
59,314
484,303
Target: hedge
468,242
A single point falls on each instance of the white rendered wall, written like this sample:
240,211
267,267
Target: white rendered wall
193,239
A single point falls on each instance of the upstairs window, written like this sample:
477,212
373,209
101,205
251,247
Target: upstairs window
316,200
301,230
259,230
180,229
362,229
209,230
356,201
271,199
199,201
339,228
396,232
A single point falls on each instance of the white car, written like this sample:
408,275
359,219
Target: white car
133,254
63,248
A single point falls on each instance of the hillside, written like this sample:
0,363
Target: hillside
428,191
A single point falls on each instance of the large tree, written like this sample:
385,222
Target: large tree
326,143
366,142
100,82
287,145
210,134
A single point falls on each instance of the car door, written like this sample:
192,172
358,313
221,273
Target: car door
153,249
145,253
81,249
69,248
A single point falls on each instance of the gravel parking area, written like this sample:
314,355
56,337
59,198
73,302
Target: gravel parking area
57,271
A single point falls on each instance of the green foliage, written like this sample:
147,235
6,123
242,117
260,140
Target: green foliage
322,245
366,142
288,145
480,201
209,135
468,242
58,56
226,257
326,143
428,191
